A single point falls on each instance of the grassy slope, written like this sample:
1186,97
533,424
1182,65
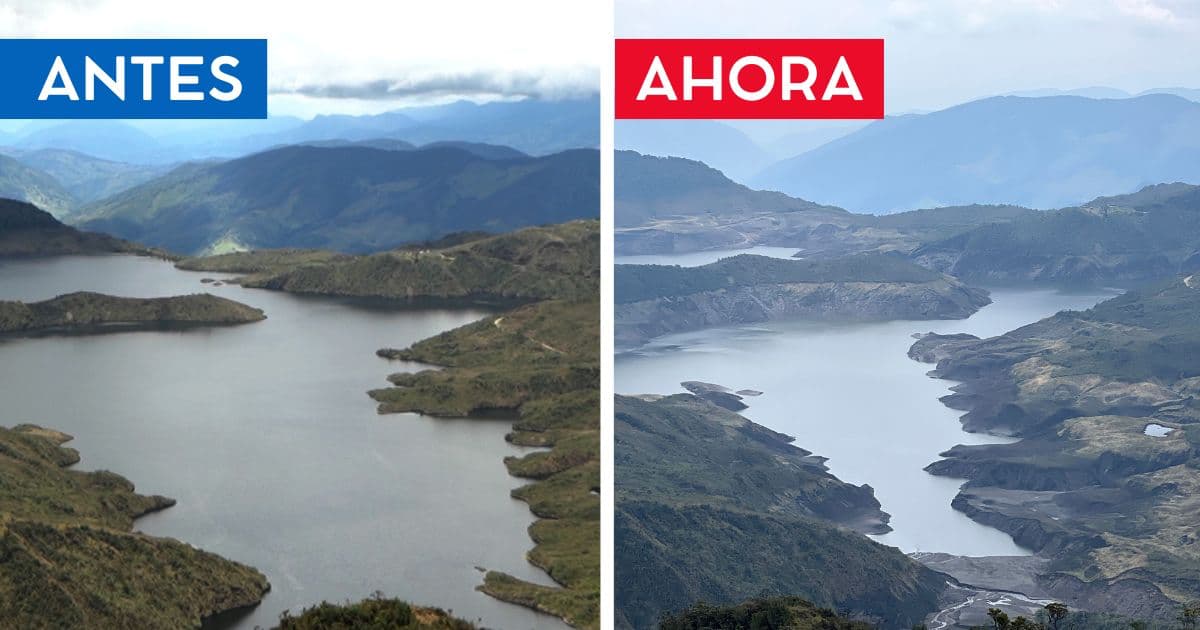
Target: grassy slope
71,561
27,232
644,282
354,199
1126,239
793,613
25,183
543,360
550,262
694,522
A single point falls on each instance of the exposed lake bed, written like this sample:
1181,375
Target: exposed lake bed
265,436
849,393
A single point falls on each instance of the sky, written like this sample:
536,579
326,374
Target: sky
940,53
364,56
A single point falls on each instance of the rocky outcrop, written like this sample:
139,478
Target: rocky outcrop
718,395
1111,507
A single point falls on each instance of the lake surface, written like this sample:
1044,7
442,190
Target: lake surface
266,437
849,392
695,259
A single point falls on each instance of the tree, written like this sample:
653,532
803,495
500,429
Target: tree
1189,615
1056,612
1021,623
1138,625
999,619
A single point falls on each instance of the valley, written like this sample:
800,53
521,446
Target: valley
1067,479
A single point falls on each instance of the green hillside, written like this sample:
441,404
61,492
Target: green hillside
540,361
644,282
84,177
650,187
551,262
774,613
71,561
711,507
349,198
27,232
1128,239
22,182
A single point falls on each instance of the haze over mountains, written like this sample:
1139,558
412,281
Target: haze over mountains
349,183
532,126
1043,151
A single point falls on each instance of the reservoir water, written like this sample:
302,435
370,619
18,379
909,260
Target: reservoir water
849,392
267,439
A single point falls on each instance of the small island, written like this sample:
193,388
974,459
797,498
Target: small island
92,313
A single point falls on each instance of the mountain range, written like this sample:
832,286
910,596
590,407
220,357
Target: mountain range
531,126
1037,152
347,198
647,187
1048,149
1121,240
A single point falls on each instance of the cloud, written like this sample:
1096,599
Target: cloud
583,81
1148,11
362,51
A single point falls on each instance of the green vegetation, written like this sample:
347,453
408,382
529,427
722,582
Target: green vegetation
84,177
24,183
350,198
27,232
95,313
650,187
1123,240
375,613
777,613
264,262
712,507
70,560
551,262
1057,616
635,283
542,361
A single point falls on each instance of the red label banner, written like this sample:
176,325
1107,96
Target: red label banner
749,78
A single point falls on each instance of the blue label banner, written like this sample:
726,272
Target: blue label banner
133,78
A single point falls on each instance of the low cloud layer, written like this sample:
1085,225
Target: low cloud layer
358,56
578,82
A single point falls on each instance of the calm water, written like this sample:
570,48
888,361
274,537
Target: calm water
850,393
695,259
265,435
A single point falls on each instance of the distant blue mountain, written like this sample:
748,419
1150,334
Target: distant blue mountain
1035,152
531,126
716,144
